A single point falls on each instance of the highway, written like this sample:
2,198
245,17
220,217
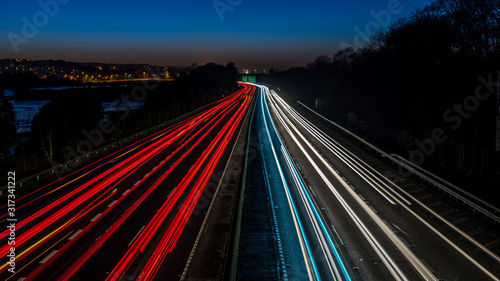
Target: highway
350,221
136,213
133,215
309,251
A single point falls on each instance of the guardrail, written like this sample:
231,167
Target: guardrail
459,194
108,148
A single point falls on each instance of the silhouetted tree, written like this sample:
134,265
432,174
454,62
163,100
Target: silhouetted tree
8,129
474,23
404,80
320,62
60,123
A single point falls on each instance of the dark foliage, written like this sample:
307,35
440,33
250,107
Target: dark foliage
20,80
60,123
72,123
411,79
8,132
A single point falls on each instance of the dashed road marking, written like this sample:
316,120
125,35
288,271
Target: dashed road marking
49,256
135,237
338,236
75,234
112,203
93,219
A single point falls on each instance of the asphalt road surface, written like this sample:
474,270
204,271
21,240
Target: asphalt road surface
376,229
133,215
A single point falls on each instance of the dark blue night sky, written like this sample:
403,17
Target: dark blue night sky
253,34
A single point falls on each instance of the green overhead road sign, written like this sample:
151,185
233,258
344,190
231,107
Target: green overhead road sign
249,79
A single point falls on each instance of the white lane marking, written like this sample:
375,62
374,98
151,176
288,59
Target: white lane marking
112,203
135,237
399,228
390,264
126,191
361,196
480,246
75,234
312,218
48,257
338,236
308,260
312,191
93,219
341,153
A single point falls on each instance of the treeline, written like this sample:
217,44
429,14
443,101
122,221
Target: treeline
74,122
7,133
25,80
425,87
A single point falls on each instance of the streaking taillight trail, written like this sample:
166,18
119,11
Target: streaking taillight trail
89,190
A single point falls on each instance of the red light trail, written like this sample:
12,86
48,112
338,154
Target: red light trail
104,188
